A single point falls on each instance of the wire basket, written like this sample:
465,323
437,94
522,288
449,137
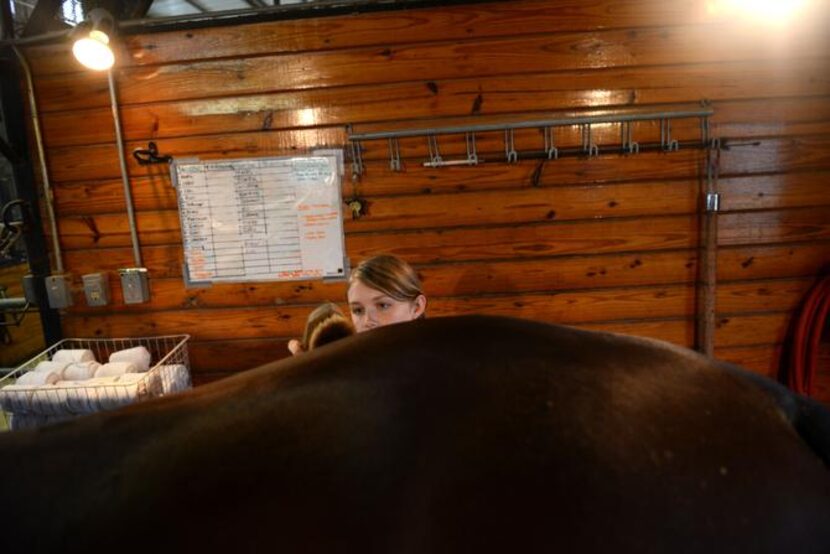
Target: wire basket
38,405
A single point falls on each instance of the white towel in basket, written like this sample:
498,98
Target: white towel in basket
84,397
114,369
80,371
73,355
47,366
30,421
36,378
49,400
139,356
109,393
16,399
174,378
130,388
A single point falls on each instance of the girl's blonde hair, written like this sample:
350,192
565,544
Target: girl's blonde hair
390,275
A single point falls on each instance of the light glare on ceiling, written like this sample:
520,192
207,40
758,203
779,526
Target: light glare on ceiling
771,11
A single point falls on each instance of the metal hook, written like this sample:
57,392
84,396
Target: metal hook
472,154
666,142
551,150
704,130
628,145
435,159
357,160
510,147
394,154
588,147
150,155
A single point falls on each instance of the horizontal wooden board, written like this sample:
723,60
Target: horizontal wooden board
528,54
446,280
457,279
477,243
450,279
803,85
774,155
152,187
234,355
410,26
613,234
731,332
774,226
763,359
765,192
771,261
569,307
788,190
752,329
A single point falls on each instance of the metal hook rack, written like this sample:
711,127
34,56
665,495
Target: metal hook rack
585,123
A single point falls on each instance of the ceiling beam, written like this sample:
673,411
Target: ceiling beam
198,5
44,18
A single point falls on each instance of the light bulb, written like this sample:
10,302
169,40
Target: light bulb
93,51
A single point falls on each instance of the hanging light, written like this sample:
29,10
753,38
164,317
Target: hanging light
92,40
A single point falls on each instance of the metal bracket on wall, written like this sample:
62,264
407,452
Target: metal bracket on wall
150,155
585,123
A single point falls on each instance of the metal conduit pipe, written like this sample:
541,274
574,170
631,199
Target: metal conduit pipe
14,303
124,177
47,189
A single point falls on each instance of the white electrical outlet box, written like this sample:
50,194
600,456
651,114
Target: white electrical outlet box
96,289
59,291
135,285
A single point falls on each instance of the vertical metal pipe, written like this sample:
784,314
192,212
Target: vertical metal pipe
47,189
124,177
708,271
14,104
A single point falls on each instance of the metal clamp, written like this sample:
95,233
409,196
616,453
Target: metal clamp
588,146
667,144
394,154
357,160
712,202
551,150
472,154
510,147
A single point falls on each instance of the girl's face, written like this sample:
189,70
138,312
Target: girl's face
371,308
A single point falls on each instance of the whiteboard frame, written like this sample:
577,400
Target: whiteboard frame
336,153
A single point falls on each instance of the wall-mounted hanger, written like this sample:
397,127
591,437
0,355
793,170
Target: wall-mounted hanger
585,123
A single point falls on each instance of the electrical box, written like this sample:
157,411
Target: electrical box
29,289
135,285
59,291
96,289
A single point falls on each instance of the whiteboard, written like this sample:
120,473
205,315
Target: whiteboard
261,219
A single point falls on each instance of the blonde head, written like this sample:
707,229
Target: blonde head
390,275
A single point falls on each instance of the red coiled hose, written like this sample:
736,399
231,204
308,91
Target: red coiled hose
806,336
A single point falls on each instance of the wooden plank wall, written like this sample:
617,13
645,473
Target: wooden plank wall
607,243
